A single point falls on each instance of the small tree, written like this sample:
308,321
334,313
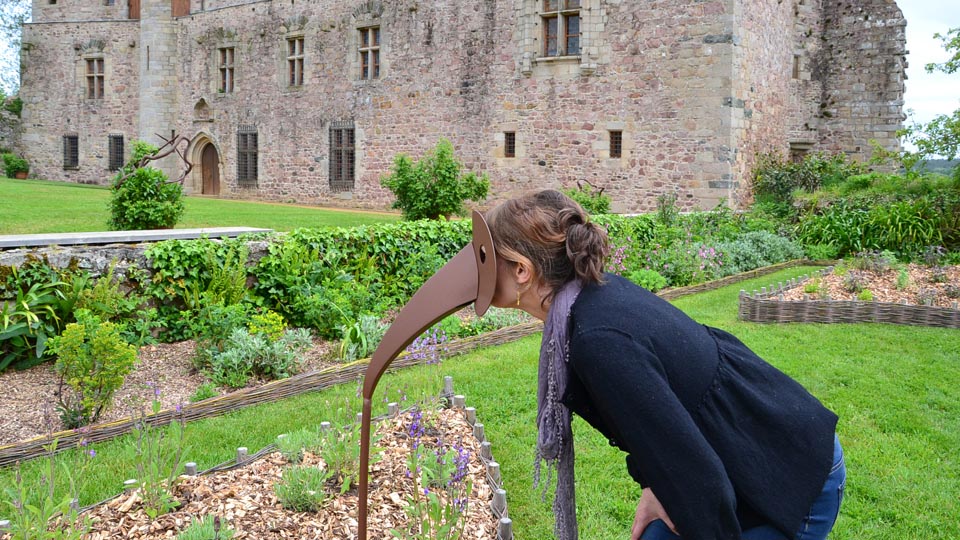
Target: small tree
434,187
142,197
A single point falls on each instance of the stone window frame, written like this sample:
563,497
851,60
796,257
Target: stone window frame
71,151
510,144
115,155
616,143
294,61
530,34
248,155
369,42
95,82
226,73
561,13
368,15
342,175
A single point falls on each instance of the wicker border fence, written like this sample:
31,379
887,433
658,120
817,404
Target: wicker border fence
767,305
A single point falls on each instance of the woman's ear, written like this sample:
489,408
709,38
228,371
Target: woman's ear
523,273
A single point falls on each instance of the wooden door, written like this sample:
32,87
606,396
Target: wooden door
180,8
134,9
210,167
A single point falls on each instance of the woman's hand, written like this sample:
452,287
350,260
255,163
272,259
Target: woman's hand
649,509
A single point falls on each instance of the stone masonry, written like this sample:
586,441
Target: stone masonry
694,90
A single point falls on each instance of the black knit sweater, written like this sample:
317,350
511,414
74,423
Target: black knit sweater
725,440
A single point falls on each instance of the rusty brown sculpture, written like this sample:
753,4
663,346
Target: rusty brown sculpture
469,277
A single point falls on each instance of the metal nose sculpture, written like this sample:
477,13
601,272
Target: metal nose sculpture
470,276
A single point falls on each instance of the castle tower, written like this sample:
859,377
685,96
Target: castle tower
159,89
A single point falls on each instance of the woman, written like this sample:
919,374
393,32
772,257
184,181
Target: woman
723,444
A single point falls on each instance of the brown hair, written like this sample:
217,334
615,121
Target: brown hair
552,233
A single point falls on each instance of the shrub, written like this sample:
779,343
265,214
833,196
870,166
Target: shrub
206,390
109,301
246,355
590,198
92,362
434,186
361,338
821,252
865,296
293,445
12,164
756,249
142,197
302,488
31,317
145,200
648,279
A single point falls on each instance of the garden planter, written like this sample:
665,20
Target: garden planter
20,175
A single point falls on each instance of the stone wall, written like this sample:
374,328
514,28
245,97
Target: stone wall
865,48
10,132
55,102
696,89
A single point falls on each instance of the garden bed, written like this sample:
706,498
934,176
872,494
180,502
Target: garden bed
911,295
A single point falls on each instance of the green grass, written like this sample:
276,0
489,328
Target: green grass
894,387
37,206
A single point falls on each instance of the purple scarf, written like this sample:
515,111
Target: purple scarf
554,437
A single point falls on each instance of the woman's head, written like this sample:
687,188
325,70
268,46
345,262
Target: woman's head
551,234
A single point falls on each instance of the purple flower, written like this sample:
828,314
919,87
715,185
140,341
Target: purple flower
92,452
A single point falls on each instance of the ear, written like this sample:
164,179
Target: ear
523,273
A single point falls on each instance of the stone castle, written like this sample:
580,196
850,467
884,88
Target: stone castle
310,100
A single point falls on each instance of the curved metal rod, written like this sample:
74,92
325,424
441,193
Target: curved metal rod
470,276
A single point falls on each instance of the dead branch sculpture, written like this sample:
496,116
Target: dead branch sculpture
169,146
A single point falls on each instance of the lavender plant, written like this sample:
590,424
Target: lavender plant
207,528
157,454
441,491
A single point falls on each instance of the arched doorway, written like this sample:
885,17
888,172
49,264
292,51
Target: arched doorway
210,170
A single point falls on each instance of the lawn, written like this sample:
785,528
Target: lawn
894,387
37,206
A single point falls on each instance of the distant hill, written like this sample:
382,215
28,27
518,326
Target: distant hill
942,166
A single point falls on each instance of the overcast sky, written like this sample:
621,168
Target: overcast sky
929,94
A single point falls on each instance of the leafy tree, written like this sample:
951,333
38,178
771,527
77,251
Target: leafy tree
13,13
434,186
940,136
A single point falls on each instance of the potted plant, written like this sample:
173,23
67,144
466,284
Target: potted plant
15,166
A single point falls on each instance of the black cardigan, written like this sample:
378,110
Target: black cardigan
725,440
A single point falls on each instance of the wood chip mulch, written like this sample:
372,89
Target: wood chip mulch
244,499
925,286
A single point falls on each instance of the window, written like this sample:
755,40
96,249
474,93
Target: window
295,61
509,144
71,151
247,156
561,27
225,62
616,144
796,66
115,147
342,156
94,78
370,52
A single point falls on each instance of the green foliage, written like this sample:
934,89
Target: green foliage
14,105
246,355
651,280
776,179
293,445
12,164
93,360
361,338
31,315
302,488
590,198
340,449
268,324
207,528
821,252
34,509
433,187
812,286
903,279
143,198
206,390
757,249
667,210
110,301
865,296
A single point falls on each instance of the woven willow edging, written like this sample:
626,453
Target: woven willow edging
767,305
319,380
498,502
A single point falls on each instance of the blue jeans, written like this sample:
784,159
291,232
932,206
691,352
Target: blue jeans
816,524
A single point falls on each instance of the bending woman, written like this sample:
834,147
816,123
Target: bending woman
723,444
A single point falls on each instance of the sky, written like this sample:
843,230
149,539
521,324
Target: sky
929,94
926,94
